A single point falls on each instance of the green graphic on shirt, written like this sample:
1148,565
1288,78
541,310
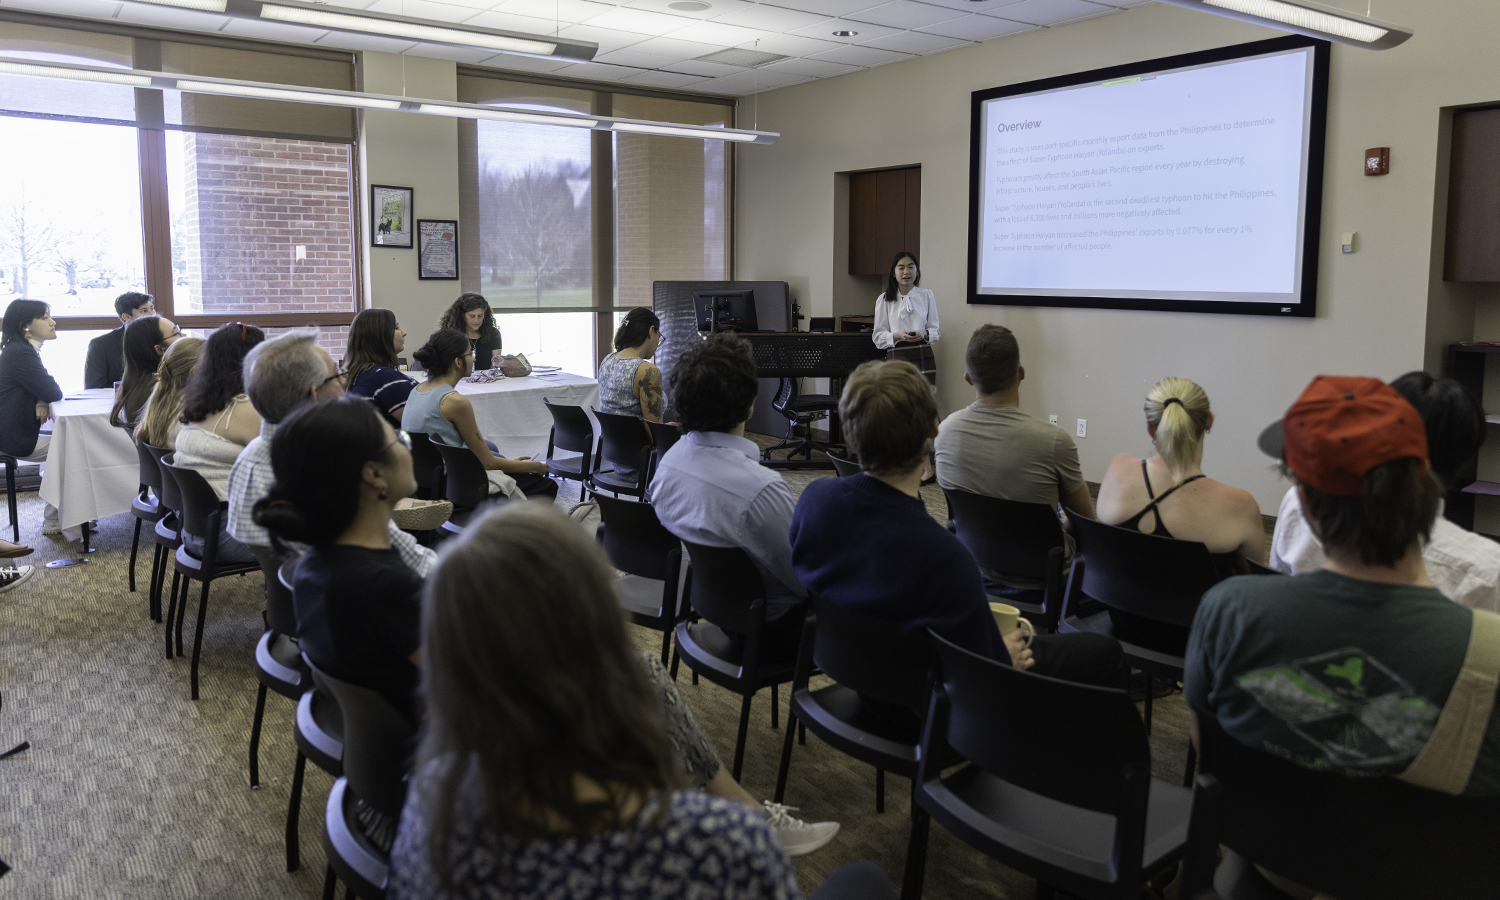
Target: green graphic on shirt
1352,671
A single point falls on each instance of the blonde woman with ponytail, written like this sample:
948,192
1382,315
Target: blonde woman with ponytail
160,417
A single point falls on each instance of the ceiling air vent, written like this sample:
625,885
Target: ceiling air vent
751,59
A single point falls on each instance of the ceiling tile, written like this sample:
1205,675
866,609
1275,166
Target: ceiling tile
916,42
863,31
606,38
422,9
664,79
640,21
505,21
525,63
571,11
827,7
748,83
793,45
716,7
905,14
1051,12
471,5
977,28
349,41
457,54
812,68
674,48
723,35
632,57
599,70
705,69
278,31
172,18
97,8
861,56
771,18
992,7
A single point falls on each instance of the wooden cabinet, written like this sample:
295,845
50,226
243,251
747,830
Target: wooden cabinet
1473,241
885,217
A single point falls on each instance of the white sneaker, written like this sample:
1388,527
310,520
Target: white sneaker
13,576
798,838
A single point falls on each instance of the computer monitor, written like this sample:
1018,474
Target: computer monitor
820,323
725,310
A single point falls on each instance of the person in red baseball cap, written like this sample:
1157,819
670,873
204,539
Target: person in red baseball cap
1362,666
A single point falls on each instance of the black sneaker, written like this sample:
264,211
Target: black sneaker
13,576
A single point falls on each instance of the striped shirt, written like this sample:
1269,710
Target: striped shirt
385,387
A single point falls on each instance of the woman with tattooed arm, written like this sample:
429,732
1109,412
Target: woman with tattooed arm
629,382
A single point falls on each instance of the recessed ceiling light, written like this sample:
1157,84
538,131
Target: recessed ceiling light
845,33
689,6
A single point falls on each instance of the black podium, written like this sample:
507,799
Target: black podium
811,354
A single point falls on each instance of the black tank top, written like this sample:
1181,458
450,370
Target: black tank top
1225,564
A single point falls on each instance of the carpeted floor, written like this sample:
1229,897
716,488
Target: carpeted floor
132,790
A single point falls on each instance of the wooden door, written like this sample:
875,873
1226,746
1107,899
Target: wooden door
1472,251
885,210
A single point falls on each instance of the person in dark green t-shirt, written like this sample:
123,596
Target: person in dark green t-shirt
1345,668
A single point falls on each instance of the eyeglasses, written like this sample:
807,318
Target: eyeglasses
340,374
401,439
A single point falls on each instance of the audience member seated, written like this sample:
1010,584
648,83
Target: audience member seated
710,488
1463,565
370,362
161,416
340,469
629,382
992,448
281,376
868,544
146,340
1359,666
437,408
218,421
105,363
470,316
27,391
544,768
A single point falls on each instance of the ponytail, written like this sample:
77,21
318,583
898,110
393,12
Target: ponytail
1179,410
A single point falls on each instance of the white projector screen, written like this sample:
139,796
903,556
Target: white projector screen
1191,183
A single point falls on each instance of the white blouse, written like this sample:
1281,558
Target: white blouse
915,311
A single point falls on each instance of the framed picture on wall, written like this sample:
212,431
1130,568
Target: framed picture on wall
390,216
437,249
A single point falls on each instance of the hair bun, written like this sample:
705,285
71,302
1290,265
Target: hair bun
281,517
423,355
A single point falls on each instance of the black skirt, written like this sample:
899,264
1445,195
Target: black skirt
919,355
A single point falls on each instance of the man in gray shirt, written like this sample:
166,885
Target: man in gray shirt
711,489
992,448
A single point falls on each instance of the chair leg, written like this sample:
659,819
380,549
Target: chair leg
134,543
1045,891
916,854
182,610
879,789
695,677
775,699
330,884
675,660
260,714
10,500
293,811
802,734
1150,688
154,603
739,744
198,637
1192,765
786,758
666,647
171,608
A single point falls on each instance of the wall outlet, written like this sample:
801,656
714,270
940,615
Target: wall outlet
1052,419
1083,428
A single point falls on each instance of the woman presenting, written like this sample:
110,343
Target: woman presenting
906,317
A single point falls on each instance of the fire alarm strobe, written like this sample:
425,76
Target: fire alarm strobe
1378,161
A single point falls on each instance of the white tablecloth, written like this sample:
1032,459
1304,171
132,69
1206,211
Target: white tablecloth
92,469
511,414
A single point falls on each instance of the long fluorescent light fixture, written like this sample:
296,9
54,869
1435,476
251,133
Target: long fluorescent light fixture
142,78
313,15
1302,17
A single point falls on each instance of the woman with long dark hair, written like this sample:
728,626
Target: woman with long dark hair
906,317
161,417
146,340
629,382
375,338
470,314
27,393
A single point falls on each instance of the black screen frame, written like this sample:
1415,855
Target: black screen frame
1313,208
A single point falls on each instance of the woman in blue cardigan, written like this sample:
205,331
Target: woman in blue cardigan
26,394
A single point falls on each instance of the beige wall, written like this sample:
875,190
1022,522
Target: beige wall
415,151
1373,316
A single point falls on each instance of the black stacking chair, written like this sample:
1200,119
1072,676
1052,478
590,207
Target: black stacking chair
622,441
1018,539
663,436
167,533
319,734
464,481
726,589
278,659
1067,799
426,467
10,499
200,517
844,466
1371,838
800,409
573,432
1261,569
1157,580
146,507
651,590
377,744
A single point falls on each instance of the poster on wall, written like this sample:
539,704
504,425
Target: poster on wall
437,249
390,216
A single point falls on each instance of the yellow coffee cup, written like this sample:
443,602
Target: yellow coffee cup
1008,619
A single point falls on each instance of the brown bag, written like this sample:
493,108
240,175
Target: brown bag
514,366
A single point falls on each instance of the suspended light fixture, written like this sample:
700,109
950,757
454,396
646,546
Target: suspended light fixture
1304,17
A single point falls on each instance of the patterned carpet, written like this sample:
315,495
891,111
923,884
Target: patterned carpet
132,790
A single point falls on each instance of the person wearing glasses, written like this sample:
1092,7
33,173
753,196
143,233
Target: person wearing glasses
146,341
105,363
218,421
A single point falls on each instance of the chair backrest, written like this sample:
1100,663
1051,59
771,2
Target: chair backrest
1005,535
786,394
1153,577
377,743
635,539
622,440
1074,743
146,459
200,505
465,481
844,466
872,656
425,463
571,428
166,485
726,588
663,435
281,613
1261,569
1371,838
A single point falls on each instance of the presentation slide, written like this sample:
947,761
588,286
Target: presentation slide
1183,184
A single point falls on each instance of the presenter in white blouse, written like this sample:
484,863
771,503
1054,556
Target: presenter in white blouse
906,317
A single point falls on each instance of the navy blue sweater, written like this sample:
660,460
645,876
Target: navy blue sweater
862,545
24,383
